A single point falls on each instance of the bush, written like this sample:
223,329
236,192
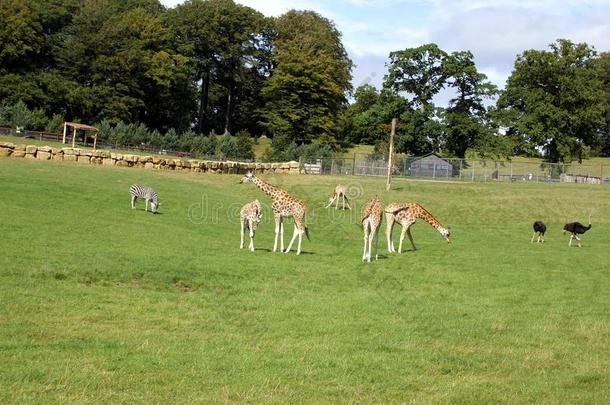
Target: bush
171,140
56,124
39,120
16,116
245,145
205,145
227,147
155,139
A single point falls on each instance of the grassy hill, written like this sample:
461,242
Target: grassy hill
104,303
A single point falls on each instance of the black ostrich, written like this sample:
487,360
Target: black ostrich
539,229
576,228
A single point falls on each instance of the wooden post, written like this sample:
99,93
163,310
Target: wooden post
95,141
391,152
354,164
65,129
74,138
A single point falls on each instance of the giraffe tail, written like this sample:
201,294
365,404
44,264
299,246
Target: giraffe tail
307,233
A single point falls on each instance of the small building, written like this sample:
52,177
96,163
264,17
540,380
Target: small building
431,165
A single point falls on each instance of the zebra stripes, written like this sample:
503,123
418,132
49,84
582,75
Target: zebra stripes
145,192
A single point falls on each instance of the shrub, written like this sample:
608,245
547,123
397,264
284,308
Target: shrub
56,124
227,147
245,145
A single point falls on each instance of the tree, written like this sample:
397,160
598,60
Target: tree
309,83
604,74
420,72
16,116
466,117
20,34
554,99
229,54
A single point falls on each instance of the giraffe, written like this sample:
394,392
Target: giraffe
406,214
283,205
371,220
249,216
340,191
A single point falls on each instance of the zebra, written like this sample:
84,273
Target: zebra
145,192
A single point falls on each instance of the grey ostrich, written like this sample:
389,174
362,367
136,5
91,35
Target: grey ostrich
576,228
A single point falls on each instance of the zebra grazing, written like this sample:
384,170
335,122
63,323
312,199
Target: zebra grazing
145,192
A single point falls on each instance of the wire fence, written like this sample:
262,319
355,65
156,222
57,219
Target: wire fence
433,167
429,167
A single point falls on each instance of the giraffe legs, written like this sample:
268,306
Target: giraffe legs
375,234
389,219
346,201
402,237
298,232
251,226
241,233
366,238
411,237
279,232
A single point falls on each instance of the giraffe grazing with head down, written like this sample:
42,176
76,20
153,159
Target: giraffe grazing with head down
340,191
406,214
283,205
249,216
371,220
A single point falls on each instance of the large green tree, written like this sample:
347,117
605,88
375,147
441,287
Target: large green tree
554,99
310,81
117,57
604,75
466,118
228,47
419,72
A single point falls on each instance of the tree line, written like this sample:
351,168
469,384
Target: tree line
209,67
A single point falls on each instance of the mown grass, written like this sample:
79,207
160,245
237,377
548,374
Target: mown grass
103,303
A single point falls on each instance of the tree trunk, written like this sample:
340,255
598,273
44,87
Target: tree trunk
229,107
203,100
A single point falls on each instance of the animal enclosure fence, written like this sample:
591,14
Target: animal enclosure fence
436,168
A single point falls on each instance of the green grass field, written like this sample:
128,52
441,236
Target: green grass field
101,303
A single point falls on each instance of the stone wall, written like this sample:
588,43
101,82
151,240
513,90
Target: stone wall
154,162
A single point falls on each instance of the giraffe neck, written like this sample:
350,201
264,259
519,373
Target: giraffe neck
426,216
265,187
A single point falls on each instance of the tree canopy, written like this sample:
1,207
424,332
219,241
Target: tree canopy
554,99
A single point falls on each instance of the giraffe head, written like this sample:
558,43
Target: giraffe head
247,177
445,234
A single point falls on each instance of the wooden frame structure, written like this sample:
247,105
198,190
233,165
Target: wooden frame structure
75,126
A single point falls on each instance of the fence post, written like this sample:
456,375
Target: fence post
461,162
473,171
354,165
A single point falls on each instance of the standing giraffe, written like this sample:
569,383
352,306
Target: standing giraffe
249,216
340,191
406,214
371,220
283,205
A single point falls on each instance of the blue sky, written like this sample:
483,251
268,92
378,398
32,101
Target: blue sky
495,31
